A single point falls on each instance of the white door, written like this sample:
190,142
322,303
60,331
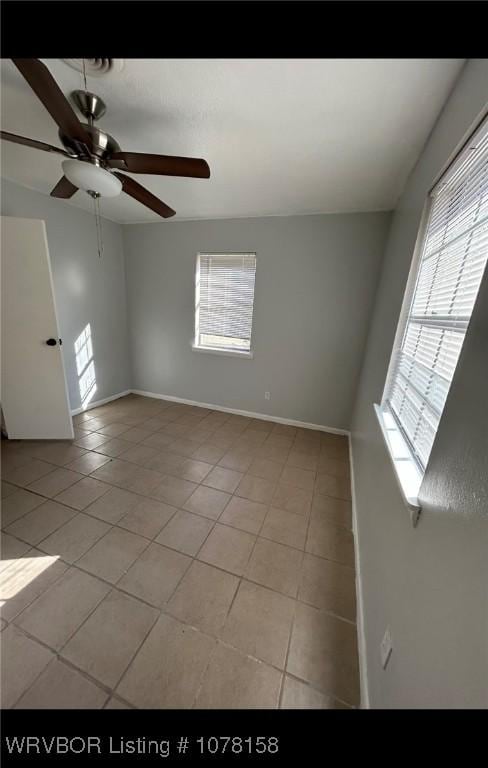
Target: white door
34,394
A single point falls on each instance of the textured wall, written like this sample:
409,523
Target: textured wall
87,289
315,283
429,584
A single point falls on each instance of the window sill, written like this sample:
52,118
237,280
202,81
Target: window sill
224,352
407,472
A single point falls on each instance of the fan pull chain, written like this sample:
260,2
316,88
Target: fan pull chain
84,74
98,224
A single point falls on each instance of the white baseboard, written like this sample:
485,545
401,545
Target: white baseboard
249,414
97,403
363,666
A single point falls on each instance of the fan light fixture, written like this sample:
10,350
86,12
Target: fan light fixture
91,178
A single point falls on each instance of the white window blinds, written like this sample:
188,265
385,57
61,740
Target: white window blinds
452,261
224,300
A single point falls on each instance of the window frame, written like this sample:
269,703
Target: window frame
223,351
409,472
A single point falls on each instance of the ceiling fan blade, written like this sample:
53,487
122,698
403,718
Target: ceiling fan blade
162,165
48,91
64,189
142,195
13,137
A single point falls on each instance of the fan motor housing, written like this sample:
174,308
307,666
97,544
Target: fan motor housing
102,144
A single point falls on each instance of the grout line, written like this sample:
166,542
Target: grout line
252,449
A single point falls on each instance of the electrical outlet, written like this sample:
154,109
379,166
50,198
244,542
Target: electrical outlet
386,647
267,396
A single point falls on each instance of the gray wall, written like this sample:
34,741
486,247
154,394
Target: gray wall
87,289
429,584
315,283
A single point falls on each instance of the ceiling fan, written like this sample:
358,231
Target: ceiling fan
93,157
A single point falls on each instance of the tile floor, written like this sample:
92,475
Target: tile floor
173,556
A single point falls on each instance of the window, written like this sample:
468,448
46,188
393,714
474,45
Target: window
224,299
435,316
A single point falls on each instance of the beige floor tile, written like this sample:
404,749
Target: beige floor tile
266,469
207,502
88,463
273,452
239,461
305,445
113,429
184,446
261,425
244,514
168,680
155,574
292,499
28,473
335,449
105,644
284,429
158,440
22,661
193,470
8,489
279,441
43,520
251,439
83,493
11,548
174,490
75,537
275,566
328,585
166,462
25,578
51,485
61,453
137,434
177,430
259,623
147,517
94,423
234,681
203,597
17,504
299,695
256,489
223,479
330,541
116,472
285,528
113,505
323,651
227,548
113,447
59,611
91,441
113,555
340,487
331,510
143,481
334,467
209,453
61,687
185,532
302,478
139,454
305,461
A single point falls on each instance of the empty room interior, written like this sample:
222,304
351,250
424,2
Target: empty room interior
244,383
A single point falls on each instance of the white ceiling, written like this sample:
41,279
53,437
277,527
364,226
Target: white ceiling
281,137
